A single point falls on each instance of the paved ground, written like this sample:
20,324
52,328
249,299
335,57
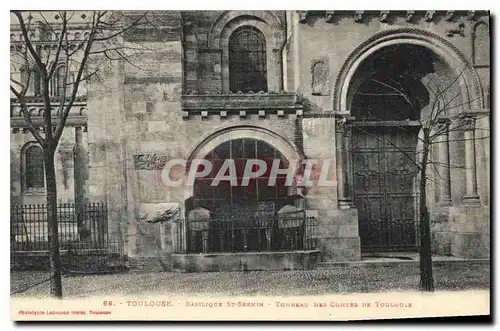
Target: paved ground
451,276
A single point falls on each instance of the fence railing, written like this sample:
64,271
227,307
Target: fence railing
79,226
246,233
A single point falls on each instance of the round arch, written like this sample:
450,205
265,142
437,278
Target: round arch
211,141
266,22
470,88
267,17
208,143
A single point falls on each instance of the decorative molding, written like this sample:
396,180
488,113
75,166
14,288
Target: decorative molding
429,15
302,14
443,125
149,161
409,15
37,110
358,16
467,123
471,14
237,102
267,16
449,15
329,16
457,29
476,112
384,15
38,122
340,124
153,79
318,115
38,99
241,105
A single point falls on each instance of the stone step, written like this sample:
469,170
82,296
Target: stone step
388,262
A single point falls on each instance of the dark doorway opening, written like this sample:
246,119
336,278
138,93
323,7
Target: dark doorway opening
386,99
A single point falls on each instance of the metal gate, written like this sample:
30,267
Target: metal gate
384,174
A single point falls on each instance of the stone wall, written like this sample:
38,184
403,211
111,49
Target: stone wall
64,164
138,113
335,38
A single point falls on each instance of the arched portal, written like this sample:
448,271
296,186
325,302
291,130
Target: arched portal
239,213
392,94
459,65
228,198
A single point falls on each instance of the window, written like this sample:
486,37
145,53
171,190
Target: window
34,87
34,168
247,60
60,82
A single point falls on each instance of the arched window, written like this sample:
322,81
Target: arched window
60,81
34,168
34,86
247,60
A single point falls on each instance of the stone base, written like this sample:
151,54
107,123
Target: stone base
470,245
340,249
441,242
150,263
294,260
338,235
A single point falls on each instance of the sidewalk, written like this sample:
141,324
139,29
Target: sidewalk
399,258
358,278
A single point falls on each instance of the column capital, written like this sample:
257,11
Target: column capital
341,113
467,123
342,124
442,126
339,125
344,116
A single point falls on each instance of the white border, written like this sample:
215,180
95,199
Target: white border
191,5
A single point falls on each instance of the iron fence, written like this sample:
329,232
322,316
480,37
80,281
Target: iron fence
84,239
244,233
82,225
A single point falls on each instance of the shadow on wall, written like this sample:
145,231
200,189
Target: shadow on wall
15,177
309,106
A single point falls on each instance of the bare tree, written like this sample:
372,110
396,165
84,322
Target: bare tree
60,52
443,108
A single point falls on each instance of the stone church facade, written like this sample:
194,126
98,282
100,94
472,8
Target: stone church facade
293,84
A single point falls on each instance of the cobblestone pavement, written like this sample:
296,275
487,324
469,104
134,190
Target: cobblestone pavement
301,282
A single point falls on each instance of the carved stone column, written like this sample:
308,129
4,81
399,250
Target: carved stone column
444,163
471,196
348,166
78,179
341,156
204,238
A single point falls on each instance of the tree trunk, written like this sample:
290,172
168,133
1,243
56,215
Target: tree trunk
55,257
426,279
